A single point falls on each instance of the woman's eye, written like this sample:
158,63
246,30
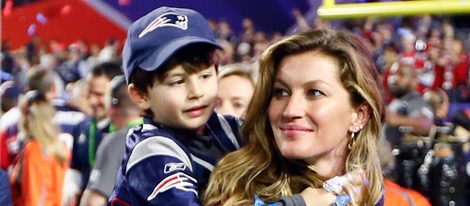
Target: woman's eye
314,93
238,105
278,92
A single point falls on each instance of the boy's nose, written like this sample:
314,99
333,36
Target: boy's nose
194,90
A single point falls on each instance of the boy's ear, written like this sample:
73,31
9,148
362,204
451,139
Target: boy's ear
360,117
138,97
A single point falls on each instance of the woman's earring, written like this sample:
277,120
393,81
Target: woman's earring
352,141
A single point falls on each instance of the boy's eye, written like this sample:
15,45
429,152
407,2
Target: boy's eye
176,82
279,92
206,75
314,93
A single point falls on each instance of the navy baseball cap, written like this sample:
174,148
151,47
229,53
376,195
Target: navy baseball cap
155,37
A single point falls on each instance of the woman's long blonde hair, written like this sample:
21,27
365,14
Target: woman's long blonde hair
259,168
37,124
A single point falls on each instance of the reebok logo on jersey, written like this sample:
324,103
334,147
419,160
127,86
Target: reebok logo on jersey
167,19
172,166
178,181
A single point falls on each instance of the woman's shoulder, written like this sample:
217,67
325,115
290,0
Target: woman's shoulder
32,146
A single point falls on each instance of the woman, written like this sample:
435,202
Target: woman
316,114
39,172
236,87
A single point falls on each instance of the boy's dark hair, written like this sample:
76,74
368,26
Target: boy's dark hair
108,69
192,58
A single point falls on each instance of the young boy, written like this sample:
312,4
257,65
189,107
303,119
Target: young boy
171,71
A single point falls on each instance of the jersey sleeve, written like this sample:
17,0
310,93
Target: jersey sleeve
157,171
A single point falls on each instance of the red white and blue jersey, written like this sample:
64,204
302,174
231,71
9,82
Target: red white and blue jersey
166,166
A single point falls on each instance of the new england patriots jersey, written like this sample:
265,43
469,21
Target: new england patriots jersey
68,117
85,146
166,166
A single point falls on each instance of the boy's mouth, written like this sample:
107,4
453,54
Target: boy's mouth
195,111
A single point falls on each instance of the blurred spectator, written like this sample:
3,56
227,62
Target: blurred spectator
321,24
225,56
124,114
408,112
9,94
79,96
408,115
248,32
462,118
38,173
236,87
8,64
395,194
110,51
445,129
93,129
435,66
91,61
300,20
68,118
459,71
225,32
443,177
439,104
69,70
244,52
261,43
32,50
5,195
409,55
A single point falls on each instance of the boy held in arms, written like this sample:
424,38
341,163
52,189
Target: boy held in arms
171,70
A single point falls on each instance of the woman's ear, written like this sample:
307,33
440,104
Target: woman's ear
360,117
138,97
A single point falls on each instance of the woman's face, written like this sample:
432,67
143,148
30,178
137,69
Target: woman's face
310,111
233,95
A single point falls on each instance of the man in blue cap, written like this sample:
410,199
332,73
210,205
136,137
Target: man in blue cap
171,69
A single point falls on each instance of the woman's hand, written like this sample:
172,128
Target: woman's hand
350,184
318,197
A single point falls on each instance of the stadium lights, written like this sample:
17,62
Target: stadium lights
330,10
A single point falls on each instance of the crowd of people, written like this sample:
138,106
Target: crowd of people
359,105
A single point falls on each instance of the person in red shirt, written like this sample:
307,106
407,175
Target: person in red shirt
460,61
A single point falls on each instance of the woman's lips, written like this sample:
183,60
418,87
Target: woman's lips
292,130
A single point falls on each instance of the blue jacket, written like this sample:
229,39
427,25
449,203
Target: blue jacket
165,166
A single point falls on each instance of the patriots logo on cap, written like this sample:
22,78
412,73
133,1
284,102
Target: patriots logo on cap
178,180
167,19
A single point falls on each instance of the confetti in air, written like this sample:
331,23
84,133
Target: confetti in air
41,18
66,9
32,29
